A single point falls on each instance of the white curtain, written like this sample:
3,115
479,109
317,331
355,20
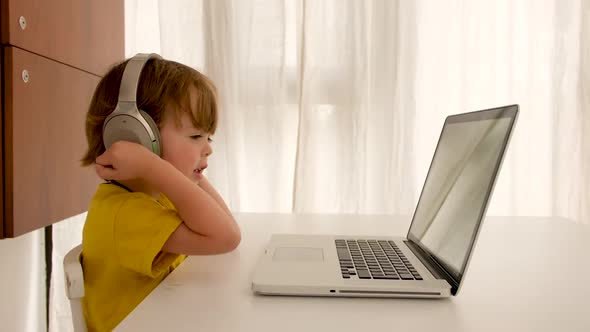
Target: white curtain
335,106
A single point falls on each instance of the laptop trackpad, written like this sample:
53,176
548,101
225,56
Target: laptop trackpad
298,254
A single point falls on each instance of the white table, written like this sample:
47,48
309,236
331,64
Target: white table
527,274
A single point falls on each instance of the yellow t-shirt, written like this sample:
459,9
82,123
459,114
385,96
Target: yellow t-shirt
122,253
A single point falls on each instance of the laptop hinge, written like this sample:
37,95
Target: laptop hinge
432,265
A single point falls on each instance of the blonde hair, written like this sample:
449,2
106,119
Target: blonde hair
162,84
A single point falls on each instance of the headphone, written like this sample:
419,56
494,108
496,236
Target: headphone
127,122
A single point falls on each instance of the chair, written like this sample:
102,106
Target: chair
74,277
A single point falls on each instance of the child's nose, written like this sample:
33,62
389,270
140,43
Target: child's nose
208,150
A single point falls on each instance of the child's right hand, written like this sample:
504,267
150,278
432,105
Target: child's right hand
124,161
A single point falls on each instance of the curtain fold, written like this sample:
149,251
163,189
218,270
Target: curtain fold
357,106
582,130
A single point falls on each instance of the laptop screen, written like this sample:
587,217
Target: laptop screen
458,186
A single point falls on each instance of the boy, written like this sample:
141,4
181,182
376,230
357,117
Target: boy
152,210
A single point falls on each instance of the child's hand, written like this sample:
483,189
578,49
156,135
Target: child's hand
124,161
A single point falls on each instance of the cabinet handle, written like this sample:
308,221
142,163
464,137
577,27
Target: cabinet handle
25,76
23,22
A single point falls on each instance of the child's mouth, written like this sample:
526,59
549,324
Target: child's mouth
199,172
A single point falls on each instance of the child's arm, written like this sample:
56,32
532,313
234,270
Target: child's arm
206,227
209,229
204,183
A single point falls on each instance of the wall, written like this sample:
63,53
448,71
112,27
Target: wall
22,283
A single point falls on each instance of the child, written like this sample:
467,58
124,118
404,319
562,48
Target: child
152,210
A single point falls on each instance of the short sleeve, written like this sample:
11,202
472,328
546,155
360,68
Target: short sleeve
142,227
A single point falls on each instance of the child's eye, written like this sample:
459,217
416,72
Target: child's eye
199,136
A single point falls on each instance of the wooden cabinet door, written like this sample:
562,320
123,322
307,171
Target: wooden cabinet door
1,145
86,34
45,103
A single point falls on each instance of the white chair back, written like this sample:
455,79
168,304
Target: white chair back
74,277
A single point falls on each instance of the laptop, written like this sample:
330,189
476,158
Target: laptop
431,261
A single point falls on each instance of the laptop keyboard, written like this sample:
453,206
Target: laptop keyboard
374,259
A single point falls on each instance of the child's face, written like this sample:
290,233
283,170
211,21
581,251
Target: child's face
186,147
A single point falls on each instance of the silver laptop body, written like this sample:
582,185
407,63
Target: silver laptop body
431,261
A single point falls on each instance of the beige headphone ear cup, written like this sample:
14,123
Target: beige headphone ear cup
127,123
125,127
156,145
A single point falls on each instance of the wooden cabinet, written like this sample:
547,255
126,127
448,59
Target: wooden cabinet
53,54
1,145
87,34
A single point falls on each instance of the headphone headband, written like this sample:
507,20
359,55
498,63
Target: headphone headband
130,80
